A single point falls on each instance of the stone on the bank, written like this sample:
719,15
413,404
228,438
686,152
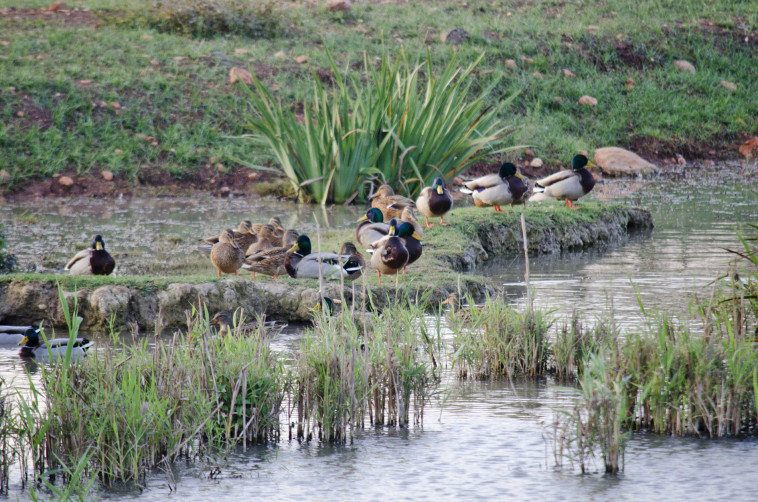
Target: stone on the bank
588,101
683,65
729,85
236,74
455,36
66,181
615,161
510,63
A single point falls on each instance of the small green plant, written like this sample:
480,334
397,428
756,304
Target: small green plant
209,18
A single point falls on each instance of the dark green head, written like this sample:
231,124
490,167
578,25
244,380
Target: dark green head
328,306
507,169
406,230
31,338
302,246
579,162
373,215
98,243
438,185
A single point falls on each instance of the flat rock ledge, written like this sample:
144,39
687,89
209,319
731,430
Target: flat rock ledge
475,236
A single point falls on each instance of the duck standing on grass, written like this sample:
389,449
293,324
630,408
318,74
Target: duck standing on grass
411,240
57,347
567,184
93,261
226,255
435,201
505,187
390,254
371,228
389,204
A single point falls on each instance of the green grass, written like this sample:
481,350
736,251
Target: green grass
192,111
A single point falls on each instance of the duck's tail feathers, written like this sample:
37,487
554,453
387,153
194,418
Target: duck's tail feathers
353,268
538,188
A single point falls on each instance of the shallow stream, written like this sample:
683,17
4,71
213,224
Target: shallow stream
480,440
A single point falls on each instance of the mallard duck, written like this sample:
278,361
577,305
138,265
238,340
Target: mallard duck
267,239
225,322
226,255
372,227
93,261
569,185
435,201
412,241
505,187
352,260
388,203
271,261
390,254
12,335
57,347
300,262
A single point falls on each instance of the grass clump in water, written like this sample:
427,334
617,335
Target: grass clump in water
135,407
496,340
352,368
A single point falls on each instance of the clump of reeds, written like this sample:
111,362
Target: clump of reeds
496,340
373,366
575,342
131,408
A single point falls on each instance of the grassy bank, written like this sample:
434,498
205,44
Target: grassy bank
80,96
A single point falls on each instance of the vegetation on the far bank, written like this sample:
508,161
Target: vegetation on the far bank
80,98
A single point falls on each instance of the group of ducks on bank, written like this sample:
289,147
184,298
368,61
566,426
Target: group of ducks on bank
389,230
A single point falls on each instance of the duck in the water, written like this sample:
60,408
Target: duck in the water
32,346
93,261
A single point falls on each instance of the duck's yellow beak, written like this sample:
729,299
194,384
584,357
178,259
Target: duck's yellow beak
317,308
440,189
590,164
446,302
518,175
392,230
214,322
293,248
24,341
416,236
99,246
363,218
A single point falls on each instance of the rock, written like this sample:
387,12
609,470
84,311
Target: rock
683,65
536,162
588,101
510,63
527,59
280,55
4,176
746,149
65,181
729,85
301,59
568,73
240,74
629,84
615,161
339,5
455,36
107,175
537,74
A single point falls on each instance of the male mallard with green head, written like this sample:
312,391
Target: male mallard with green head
32,346
390,254
435,201
505,187
93,261
300,262
568,185
226,255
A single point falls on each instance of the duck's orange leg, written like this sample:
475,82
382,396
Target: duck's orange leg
442,222
571,205
498,209
427,222
380,277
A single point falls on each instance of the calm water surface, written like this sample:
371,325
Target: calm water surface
480,440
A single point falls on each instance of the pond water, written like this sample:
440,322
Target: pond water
480,440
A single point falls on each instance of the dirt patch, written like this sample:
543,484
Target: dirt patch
63,16
150,180
27,115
